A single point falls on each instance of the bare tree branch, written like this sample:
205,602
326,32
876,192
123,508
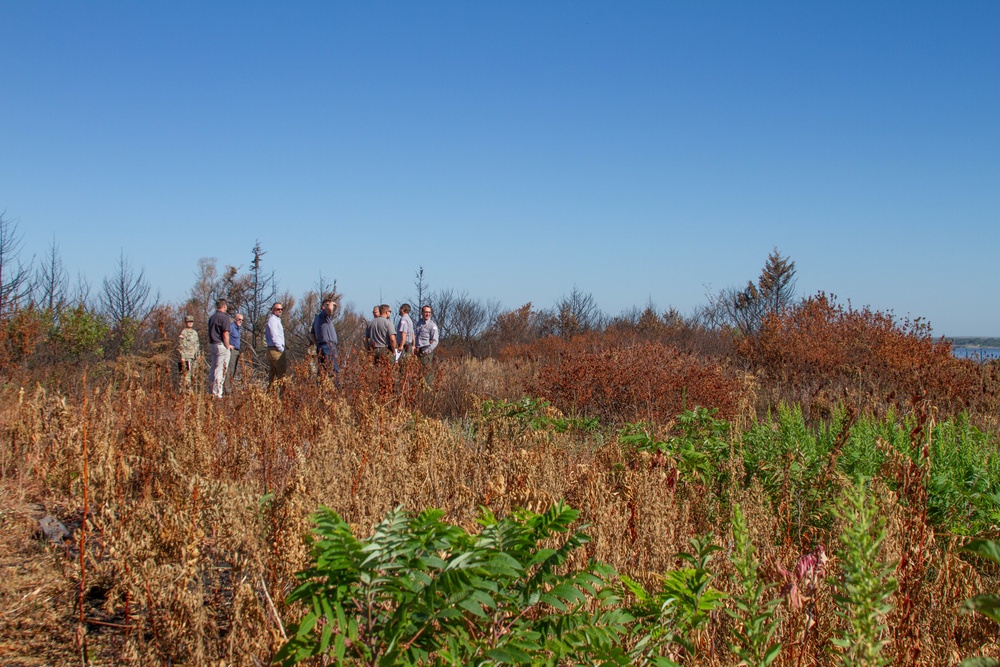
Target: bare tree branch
14,276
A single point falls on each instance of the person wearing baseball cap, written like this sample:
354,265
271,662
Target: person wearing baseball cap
189,349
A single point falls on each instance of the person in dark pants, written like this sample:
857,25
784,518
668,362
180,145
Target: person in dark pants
324,336
425,339
234,350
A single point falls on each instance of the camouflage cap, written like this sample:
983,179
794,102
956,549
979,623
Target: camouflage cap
189,318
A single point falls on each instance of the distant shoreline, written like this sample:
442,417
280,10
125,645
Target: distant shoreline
973,342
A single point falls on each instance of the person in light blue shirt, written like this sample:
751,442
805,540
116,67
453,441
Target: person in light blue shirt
234,350
425,340
404,331
274,334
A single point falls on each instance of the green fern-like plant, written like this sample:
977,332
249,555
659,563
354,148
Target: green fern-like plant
421,591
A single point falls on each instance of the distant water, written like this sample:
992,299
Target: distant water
977,353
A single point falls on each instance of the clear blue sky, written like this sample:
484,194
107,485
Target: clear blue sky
643,150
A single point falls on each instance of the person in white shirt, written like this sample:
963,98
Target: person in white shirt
274,334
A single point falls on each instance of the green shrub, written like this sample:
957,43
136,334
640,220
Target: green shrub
697,451
671,617
536,415
420,591
791,460
789,457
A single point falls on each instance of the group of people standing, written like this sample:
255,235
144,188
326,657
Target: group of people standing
418,340
393,343
223,345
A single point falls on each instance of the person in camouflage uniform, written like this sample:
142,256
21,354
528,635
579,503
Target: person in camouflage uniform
189,349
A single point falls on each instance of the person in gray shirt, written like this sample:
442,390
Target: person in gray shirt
376,313
382,336
404,330
425,340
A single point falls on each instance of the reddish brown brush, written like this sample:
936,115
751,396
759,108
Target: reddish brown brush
594,375
821,351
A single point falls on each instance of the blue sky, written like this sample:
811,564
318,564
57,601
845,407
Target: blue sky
635,150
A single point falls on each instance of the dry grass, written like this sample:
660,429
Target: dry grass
198,510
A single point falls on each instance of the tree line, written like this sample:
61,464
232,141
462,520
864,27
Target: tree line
47,317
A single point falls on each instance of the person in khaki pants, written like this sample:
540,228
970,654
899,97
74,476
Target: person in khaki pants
218,344
274,334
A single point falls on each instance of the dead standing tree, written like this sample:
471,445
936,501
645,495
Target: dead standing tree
423,289
207,288
261,290
51,288
125,304
574,313
745,309
14,276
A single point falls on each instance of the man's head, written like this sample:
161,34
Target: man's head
277,308
385,310
425,313
221,305
376,312
238,318
329,305
404,309
189,321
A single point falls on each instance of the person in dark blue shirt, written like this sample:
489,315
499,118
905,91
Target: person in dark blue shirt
324,337
234,350
218,345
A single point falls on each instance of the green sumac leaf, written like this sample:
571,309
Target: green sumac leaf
772,653
987,549
308,623
986,604
324,641
509,655
980,662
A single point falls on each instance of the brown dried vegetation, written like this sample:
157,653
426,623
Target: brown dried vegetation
196,509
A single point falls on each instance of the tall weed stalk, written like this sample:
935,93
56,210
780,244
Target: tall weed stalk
754,614
865,587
